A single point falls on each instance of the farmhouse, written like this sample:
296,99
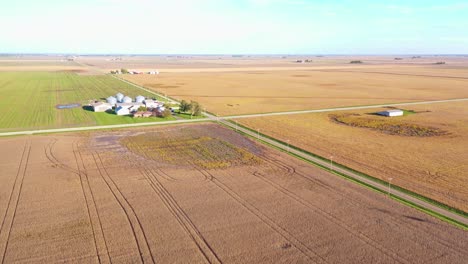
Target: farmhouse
101,106
122,110
142,114
393,112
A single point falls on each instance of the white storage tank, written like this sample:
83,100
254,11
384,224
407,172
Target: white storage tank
126,99
140,99
119,97
111,100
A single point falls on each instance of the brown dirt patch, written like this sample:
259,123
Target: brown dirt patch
386,125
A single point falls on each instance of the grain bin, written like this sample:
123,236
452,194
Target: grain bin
126,99
119,97
111,100
139,99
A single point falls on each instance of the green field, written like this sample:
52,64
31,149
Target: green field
29,99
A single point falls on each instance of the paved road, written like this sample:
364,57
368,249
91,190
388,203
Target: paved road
346,172
343,108
73,129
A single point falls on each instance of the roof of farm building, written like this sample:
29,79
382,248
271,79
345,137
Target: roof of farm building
392,111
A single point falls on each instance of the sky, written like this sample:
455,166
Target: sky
234,27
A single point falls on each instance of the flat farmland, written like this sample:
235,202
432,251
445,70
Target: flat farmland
424,152
30,100
232,93
197,193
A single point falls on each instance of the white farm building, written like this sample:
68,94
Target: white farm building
101,107
393,112
149,103
122,110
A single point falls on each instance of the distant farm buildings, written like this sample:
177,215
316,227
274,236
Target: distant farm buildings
124,105
393,112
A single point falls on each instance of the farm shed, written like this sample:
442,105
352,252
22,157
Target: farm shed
152,103
119,97
394,112
122,110
101,107
126,99
111,100
139,99
154,72
131,106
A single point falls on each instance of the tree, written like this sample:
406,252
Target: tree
185,107
142,108
196,108
166,113
124,71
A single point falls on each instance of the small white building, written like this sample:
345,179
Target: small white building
154,72
393,112
122,110
101,106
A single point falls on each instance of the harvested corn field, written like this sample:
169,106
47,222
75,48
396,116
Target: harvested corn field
118,197
429,158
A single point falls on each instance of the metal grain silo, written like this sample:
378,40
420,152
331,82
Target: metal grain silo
119,97
126,99
139,99
111,100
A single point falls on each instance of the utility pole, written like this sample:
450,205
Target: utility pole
389,184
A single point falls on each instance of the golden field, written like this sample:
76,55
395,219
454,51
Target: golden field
434,166
232,93
124,197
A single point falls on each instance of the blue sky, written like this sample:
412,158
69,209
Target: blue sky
234,26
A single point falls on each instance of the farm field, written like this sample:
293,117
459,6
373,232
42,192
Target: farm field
199,193
33,96
232,93
424,152
210,63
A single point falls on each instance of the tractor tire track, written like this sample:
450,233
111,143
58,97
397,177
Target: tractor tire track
13,201
175,209
296,243
138,233
182,218
357,203
100,243
359,235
